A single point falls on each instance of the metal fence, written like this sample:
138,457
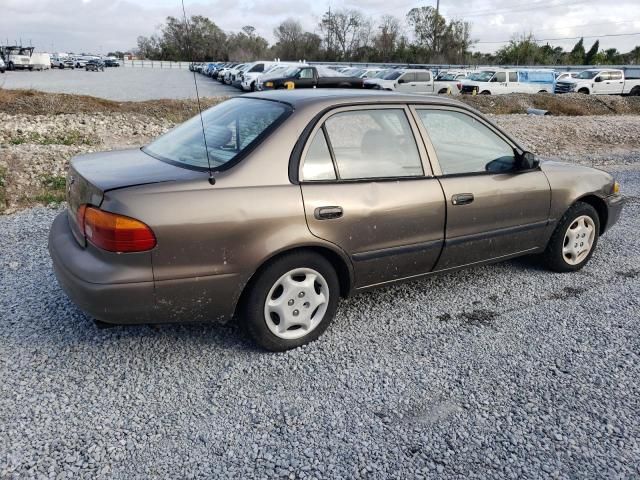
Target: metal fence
155,64
185,65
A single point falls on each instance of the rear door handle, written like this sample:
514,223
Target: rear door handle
462,198
328,213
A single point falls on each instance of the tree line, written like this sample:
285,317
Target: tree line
347,35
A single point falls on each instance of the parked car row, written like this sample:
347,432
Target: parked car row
263,75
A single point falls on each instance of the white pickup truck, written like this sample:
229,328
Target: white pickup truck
603,81
501,81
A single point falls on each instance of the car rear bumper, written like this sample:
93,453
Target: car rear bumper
86,276
118,302
614,207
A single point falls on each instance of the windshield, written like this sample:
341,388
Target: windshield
380,74
483,76
392,75
231,127
587,74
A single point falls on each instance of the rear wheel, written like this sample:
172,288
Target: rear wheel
635,91
485,92
291,302
574,240
584,91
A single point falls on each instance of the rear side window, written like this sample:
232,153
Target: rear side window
365,144
615,76
423,76
513,76
465,145
500,77
317,163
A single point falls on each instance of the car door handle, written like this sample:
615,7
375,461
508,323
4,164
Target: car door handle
328,213
462,198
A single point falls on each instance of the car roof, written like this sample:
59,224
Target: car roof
347,96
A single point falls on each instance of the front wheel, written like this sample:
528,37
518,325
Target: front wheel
291,302
574,240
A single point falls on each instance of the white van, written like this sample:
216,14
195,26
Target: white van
500,81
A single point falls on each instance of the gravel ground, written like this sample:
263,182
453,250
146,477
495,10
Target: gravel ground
120,84
501,371
35,147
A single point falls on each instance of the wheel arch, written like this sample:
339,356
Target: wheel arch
600,206
338,260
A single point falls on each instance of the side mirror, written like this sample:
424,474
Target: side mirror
402,80
597,79
527,161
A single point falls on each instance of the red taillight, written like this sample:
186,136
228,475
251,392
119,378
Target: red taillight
459,85
116,233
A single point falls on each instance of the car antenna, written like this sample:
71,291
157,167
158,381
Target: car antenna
212,180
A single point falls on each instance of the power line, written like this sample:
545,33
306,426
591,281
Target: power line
571,38
519,8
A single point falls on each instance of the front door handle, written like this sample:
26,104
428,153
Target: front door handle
328,213
462,198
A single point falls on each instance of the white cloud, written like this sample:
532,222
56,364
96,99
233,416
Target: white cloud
94,25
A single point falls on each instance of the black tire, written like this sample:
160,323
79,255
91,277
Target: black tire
584,91
635,92
485,92
10,66
253,86
253,304
553,256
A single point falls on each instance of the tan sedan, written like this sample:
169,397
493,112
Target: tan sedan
298,198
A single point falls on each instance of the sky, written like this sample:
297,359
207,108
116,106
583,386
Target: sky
100,26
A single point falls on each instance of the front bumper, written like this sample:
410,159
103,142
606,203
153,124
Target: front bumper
120,289
614,209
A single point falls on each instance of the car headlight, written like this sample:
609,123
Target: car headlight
615,190
268,84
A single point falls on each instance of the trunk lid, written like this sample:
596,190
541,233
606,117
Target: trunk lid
91,175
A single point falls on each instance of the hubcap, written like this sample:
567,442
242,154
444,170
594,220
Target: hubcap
578,240
296,303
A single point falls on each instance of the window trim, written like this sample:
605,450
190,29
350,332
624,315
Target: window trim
320,124
433,156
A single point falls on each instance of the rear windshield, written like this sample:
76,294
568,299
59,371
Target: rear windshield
231,128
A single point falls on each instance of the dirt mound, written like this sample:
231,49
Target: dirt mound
32,102
567,104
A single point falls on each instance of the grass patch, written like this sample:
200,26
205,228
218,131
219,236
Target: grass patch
53,189
32,102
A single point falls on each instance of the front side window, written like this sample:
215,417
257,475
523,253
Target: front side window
257,68
306,73
231,127
366,144
465,145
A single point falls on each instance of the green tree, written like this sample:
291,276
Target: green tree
590,56
576,57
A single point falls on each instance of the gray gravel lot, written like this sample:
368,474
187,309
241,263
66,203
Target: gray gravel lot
501,371
121,84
